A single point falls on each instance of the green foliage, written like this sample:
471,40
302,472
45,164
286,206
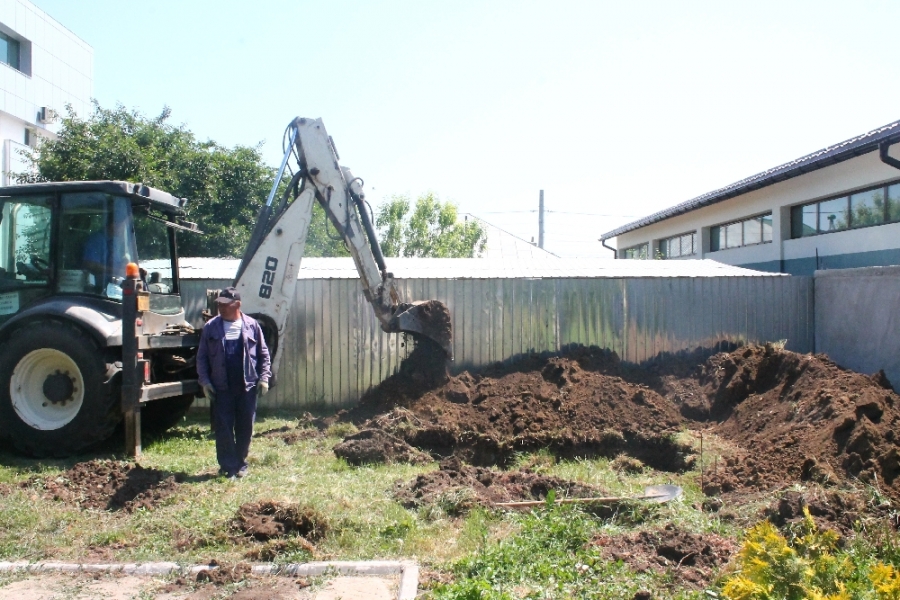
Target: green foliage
549,557
810,565
225,187
431,228
322,238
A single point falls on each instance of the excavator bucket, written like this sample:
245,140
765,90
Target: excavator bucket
430,318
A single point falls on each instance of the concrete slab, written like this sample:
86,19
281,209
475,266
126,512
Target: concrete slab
49,580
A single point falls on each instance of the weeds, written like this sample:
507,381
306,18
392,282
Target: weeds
809,564
548,557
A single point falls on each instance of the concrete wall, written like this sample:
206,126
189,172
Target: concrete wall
878,245
857,319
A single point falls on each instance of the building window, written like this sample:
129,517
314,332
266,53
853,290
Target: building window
641,251
680,245
9,52
875,206
749,232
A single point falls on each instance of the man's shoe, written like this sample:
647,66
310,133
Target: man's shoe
243,471
227,475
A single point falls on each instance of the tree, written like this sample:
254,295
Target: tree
431,228
225,187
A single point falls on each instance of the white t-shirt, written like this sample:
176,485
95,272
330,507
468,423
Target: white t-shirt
233,328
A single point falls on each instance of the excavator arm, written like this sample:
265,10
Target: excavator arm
267,277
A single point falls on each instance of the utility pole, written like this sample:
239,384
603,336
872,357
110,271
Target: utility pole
541,221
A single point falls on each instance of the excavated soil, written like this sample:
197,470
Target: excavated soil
109,485
837,510
207,585
457,487
692,560
797,417
565,404
784,417
306,427
434,322
221,574
377,446
267,520
289,434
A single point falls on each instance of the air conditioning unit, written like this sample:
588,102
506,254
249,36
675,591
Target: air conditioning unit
48,115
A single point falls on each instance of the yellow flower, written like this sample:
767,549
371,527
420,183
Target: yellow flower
886,581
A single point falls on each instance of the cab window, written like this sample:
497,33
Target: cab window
25,242
96,242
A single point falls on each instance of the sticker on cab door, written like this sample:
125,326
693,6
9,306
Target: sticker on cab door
9,303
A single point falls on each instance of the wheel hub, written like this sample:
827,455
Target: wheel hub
59,387
47,389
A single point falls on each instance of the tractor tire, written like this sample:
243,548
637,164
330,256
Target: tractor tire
58,395
159,415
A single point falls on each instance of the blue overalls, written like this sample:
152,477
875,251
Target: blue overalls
235,412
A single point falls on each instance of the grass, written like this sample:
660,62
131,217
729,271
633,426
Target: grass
488,554
192,525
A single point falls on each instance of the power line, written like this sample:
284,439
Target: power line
562,212
559,212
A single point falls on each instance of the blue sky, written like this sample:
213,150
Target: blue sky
614,109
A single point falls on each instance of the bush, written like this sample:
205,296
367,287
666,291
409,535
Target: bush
809,566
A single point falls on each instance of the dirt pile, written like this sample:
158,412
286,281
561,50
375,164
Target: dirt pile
787,417
109,485
841,511
221,574
376,446
800,418
208,582
276,529
289,434
268,519
566,404
456,487
692,560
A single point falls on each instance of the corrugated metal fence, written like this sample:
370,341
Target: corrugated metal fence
337,350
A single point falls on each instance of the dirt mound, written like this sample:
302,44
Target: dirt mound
207,582
376,446
268,519
800,418
691,559
786,417
221,574
289,434
110,485
457,488
843,512
567,404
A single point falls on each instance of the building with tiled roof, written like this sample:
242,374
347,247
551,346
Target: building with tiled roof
835,208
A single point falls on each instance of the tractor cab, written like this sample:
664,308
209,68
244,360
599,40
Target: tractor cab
74,356
75,239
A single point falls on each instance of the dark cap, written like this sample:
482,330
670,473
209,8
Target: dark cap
228,295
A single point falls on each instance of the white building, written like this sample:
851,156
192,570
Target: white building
832,209
43,67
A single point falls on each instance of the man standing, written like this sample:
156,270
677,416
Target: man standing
233,366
